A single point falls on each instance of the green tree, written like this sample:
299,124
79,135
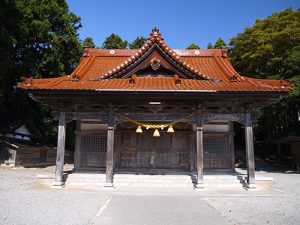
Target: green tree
271,49
138,43
114,41
38,39
193,46
88,42
209,45
219,43
10,16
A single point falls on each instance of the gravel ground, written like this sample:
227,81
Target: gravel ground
21,203
24,203
281,209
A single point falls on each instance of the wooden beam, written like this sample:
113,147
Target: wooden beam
223,116
110,150
136,116
60,154
82,115
158,116
249,151
199,149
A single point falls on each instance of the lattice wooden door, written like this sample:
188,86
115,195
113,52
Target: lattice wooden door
93,151
145,151
216,152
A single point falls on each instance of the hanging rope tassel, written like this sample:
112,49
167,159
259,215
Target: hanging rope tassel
154,126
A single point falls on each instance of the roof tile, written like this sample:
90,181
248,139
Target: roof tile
212,65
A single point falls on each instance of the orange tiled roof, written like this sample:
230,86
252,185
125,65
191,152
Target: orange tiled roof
103,70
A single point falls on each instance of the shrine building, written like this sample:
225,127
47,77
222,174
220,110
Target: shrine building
155,108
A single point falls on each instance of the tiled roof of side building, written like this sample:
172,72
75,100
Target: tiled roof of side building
211,69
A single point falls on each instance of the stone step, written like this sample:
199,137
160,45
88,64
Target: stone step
221,181
220,177
228,185
145,180
153,181
170,185
76,175
85,179
96,180
81,184
154,177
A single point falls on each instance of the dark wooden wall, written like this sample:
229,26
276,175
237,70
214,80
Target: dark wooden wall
169,151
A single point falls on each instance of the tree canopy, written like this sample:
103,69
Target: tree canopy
37,39
114,41
137,43
220,43
271,49
193,46
88,42
209,45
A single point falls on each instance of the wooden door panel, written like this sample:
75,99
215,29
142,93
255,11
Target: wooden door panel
180,144
163,151
145,151
128,141
163,143
180,141
128,153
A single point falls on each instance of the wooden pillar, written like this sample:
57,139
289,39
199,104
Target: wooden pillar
231,145
199,149
117,148
192,143
60,154
77,146
110,150
249,151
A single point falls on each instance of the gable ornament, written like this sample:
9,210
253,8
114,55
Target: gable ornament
155,63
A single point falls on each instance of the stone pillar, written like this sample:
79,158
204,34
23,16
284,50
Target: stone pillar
110,150
249,151
60,153
199,149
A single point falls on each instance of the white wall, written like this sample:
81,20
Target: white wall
21,130
93,125
216,127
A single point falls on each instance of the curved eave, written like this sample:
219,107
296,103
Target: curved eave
154,92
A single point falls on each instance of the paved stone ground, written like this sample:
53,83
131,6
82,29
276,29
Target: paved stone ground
24,203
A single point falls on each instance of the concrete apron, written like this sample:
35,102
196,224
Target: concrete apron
162,179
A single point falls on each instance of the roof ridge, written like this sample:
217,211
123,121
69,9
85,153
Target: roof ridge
155,37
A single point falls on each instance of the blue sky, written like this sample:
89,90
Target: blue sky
181,21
